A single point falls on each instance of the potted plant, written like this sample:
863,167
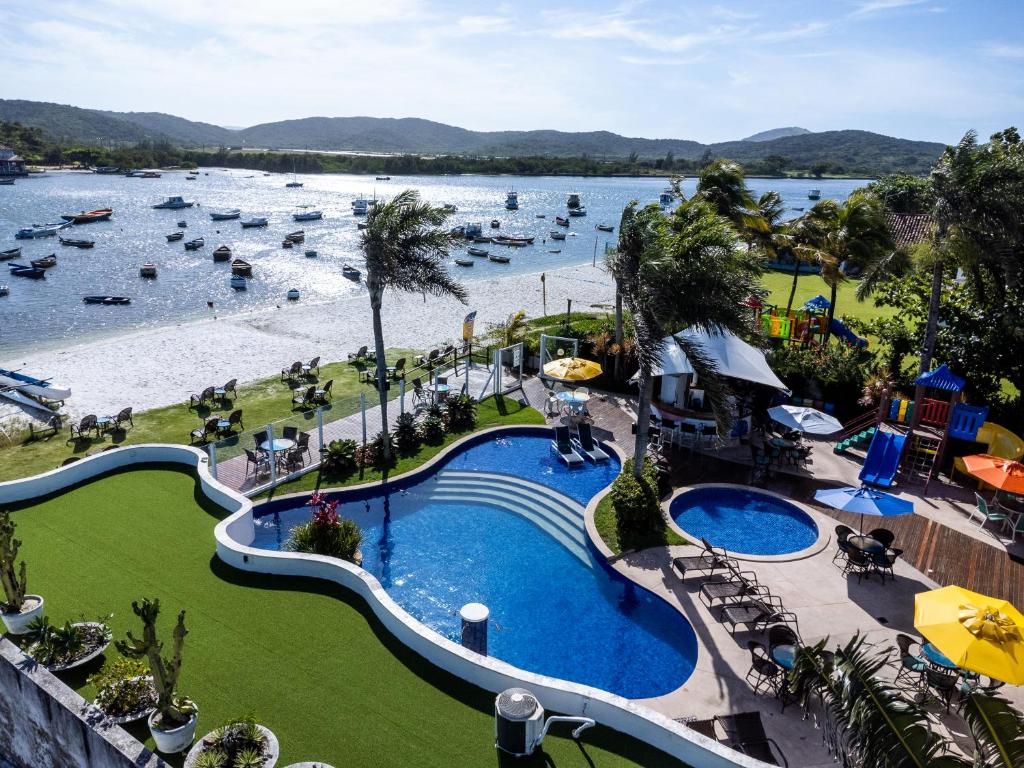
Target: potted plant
124,691
18,609
173,723
72,645
327,533
241,743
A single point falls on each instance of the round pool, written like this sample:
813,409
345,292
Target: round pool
744,521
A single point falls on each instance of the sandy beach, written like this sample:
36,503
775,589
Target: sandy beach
160,366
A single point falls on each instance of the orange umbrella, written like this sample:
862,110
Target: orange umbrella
1004,474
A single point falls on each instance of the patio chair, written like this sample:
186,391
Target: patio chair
302,444
883,536
745,733
205,432
230,389
358,356
843,532
234,419
124,416
323,394
202,398
756,614
259,461
259,439
857,562
563,447
733,585
290,433
884,562
312,366
781,634
419,394
306,399
292,371
987,515
397,371
762,669
911,665
942,682
84,427
708,561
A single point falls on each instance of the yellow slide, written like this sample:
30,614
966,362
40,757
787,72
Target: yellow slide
999,441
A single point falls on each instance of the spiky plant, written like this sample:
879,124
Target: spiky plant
173,710
13,581
998,731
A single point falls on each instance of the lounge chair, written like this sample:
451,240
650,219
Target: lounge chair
305,399
124,416
323,394
86,425
987,515
205,432
745,733
292,371
586,444
202,398
734,585
708,561
756,614
357,356
563,447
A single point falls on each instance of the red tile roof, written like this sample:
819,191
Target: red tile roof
909,228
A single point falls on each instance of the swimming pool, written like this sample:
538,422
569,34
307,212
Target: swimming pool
744,521
436,544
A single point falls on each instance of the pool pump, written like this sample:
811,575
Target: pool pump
519,724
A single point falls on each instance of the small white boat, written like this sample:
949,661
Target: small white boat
237,282
554,235
40,230
814,194
231,213
256,221
293,294
360,206
308,216
147,270
512,201
175,202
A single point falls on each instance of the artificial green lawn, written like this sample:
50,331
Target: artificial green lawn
307,658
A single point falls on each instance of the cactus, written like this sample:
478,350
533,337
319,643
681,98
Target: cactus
173,710
14,583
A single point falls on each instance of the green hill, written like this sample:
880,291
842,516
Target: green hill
777,133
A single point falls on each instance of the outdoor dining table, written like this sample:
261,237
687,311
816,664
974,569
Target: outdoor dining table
439,390
574,401
934,656
103,423
278,445
784,655
866,544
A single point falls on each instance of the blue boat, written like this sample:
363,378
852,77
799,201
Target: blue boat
24,270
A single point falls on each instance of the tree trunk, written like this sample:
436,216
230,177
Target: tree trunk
792,290
932,326
831,314
618,332
376,297
643,422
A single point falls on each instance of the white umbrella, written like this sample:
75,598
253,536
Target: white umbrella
809,420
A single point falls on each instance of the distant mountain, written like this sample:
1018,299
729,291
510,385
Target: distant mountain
777,133
852,151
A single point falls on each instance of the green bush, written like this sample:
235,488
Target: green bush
372,454
326,533
836,374
406,435
636,504
432,428
461,413
339,456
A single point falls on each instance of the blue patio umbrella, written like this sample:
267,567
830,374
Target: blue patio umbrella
864,501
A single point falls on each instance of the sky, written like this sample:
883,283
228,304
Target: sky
921,69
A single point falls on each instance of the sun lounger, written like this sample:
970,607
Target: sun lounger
757,614
563,447
708,561
586,444
744,733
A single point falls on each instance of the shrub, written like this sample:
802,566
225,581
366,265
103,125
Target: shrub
238,744
123,687
326,533
339,456
461,413
407,435
636,504
432,428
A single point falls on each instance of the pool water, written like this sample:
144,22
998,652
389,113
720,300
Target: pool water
555,609
744,521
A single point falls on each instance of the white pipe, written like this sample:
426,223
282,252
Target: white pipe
585,722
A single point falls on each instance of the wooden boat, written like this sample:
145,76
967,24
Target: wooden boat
556,235
481,239
238,282
150,175
308,216
555,250
495,223
561,222
383,178
147,270
190,178
293,294
605,228
183,224
578,211
175,202
107,300
24,270
175,236
296,237
231,213
287,243
293,184
465,262
195,245
504,239
13,253
512,242
46,262
258,221
541,216
76,243
223,253
477,252
89,217
241,267
311,254
499,259
347,270
4,290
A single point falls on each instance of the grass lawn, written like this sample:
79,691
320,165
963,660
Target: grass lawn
261,402
305,657
491,412
809,286
604,521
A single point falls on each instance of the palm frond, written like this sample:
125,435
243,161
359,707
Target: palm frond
716,391
998,731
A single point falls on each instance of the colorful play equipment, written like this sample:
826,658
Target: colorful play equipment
998,441
807,324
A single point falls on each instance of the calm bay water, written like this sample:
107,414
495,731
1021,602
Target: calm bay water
52,308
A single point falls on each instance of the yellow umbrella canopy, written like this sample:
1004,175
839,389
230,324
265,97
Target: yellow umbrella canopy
572,369
976,632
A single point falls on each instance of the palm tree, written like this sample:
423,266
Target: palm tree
721,184
405,249
834,235
677,272
630,248
998,731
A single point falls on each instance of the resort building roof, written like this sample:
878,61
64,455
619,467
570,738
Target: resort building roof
909,228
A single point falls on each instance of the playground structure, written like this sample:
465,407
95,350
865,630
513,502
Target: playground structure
998,441
807,325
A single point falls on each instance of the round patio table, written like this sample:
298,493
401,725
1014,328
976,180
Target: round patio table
866,544
279,444
104,422
223,424
784,655
937,657
573,398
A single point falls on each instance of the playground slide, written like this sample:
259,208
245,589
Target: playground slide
999,441
883,459
839,329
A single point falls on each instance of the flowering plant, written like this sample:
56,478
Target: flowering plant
326,533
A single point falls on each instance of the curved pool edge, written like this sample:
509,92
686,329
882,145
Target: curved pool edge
820,521
610,710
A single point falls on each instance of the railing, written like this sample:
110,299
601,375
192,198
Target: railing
863,421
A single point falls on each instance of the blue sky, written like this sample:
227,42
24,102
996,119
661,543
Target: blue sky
926,69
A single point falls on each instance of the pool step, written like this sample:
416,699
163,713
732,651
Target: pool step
558,516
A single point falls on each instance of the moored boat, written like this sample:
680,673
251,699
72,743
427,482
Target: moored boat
573,201
45,262
40,230
183,224
362,224
541,216
8,182
25,270
241,267
561,221
477,252
296,237
237,282
195,245
383,178
147,270
495,223
108,300
667,197
76,243
605,228
89,217
256,221
231,213
287,243
499,259
175,236
449,208
464,262
504,239
581,211
347,270
150,175
512,242
308,216
293,294
311,254
222,253
360,206
814,194
482,239
554,234
293,184
473,229
175,202
511,201
4,290
13,253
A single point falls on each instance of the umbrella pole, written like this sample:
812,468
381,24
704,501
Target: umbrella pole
861,523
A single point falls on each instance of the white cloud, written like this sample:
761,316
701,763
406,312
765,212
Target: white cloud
1004,51
477,25
880,6
797,32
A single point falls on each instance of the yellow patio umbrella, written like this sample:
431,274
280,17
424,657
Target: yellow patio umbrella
976,632
572,369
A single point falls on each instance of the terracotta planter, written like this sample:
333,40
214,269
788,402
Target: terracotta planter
17,623
176,739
